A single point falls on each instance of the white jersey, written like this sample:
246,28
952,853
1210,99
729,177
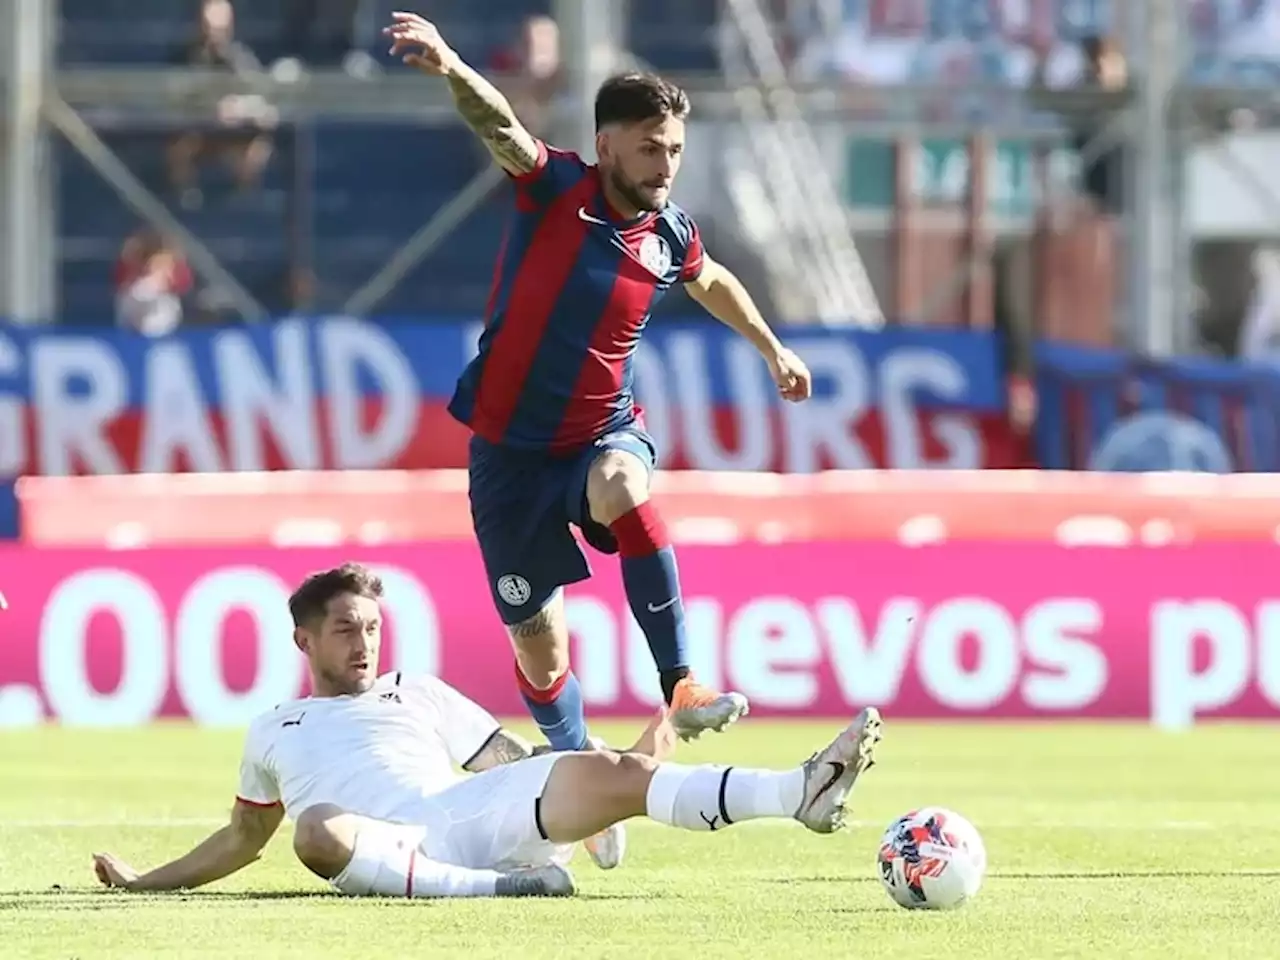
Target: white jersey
378,754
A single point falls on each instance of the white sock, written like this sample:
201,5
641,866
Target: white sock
750,794
709,798
382,866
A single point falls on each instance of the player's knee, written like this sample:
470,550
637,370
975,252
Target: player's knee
323,839
589,790
542,665
636,768
627,781
617,484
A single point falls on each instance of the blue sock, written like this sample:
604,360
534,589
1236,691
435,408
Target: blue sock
652,582
557,710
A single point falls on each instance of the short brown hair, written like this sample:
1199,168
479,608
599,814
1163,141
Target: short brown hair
637,97
310,601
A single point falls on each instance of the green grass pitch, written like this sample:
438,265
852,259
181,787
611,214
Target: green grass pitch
1105,841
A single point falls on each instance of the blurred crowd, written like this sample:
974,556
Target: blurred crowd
156,289
863,46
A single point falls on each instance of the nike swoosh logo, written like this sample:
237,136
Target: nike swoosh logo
659,607
837,771
583,215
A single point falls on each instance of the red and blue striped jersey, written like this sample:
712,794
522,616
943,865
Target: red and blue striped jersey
573,289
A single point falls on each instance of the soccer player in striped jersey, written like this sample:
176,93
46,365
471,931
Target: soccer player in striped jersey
557,438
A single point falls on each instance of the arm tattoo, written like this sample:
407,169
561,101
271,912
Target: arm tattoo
503,747
487,112
541,622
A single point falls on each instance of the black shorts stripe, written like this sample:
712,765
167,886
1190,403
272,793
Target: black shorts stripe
724,785
537,819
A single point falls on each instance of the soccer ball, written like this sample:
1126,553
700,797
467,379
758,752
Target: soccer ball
931,859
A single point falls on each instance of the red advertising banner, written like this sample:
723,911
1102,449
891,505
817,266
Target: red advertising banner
990,631
911,506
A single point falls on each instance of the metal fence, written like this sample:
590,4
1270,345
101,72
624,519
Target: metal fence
968,200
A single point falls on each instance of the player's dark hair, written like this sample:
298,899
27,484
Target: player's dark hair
310,601
637,97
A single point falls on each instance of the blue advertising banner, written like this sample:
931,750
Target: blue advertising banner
338,392
1104,410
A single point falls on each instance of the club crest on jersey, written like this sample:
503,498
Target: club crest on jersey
655,255
390,697
514,589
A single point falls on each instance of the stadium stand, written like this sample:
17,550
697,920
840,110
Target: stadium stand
370,186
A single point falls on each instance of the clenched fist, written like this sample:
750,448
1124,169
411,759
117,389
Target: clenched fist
789,372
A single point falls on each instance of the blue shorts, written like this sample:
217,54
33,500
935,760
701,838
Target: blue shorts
522,504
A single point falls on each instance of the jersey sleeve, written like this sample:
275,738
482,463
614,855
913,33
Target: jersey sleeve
554,173
464,725
693,254
258,786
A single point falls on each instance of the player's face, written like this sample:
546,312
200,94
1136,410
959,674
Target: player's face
343,650
641,160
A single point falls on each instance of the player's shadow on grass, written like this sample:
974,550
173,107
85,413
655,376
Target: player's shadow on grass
97,898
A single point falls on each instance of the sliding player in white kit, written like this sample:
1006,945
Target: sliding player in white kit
364,768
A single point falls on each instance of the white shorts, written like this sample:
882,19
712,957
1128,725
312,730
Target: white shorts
491,821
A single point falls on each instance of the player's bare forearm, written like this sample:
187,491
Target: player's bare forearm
486,111
220,855
723,296
479,103
503,747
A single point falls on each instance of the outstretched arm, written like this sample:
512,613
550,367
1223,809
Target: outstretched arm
232,848
484,109
724,297
487,112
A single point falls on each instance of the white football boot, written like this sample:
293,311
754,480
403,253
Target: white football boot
548,880
829,775
607,848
